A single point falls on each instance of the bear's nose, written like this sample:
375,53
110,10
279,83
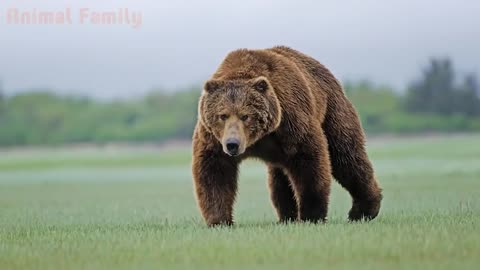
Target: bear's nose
232,146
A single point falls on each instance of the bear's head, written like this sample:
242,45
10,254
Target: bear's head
239,112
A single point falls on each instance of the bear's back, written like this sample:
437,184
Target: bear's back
312,69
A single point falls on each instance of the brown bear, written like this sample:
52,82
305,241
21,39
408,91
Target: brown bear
287,109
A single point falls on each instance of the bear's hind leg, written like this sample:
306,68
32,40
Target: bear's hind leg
350,164
281,193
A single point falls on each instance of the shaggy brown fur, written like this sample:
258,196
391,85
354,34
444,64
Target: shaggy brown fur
287,109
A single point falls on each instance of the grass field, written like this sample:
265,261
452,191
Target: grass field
128,208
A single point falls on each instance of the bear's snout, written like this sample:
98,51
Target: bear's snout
232,145
233,140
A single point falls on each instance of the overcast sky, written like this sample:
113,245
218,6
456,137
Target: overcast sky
180,43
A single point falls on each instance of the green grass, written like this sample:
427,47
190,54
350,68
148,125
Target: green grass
134,209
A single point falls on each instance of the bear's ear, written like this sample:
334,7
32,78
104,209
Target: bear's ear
212,86
261,84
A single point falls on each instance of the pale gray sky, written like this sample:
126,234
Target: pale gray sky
180,43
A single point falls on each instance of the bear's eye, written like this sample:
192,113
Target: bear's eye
244,118
223,117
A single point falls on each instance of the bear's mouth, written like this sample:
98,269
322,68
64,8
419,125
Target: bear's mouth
232,153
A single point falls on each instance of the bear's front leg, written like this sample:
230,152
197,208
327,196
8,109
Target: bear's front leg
310,174
215,181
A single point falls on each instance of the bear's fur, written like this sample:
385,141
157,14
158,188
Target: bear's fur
287,109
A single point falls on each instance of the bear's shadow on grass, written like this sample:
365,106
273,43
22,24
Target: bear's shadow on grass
198,224
270,224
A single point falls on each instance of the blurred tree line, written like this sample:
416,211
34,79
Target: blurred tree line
46,118
436,102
